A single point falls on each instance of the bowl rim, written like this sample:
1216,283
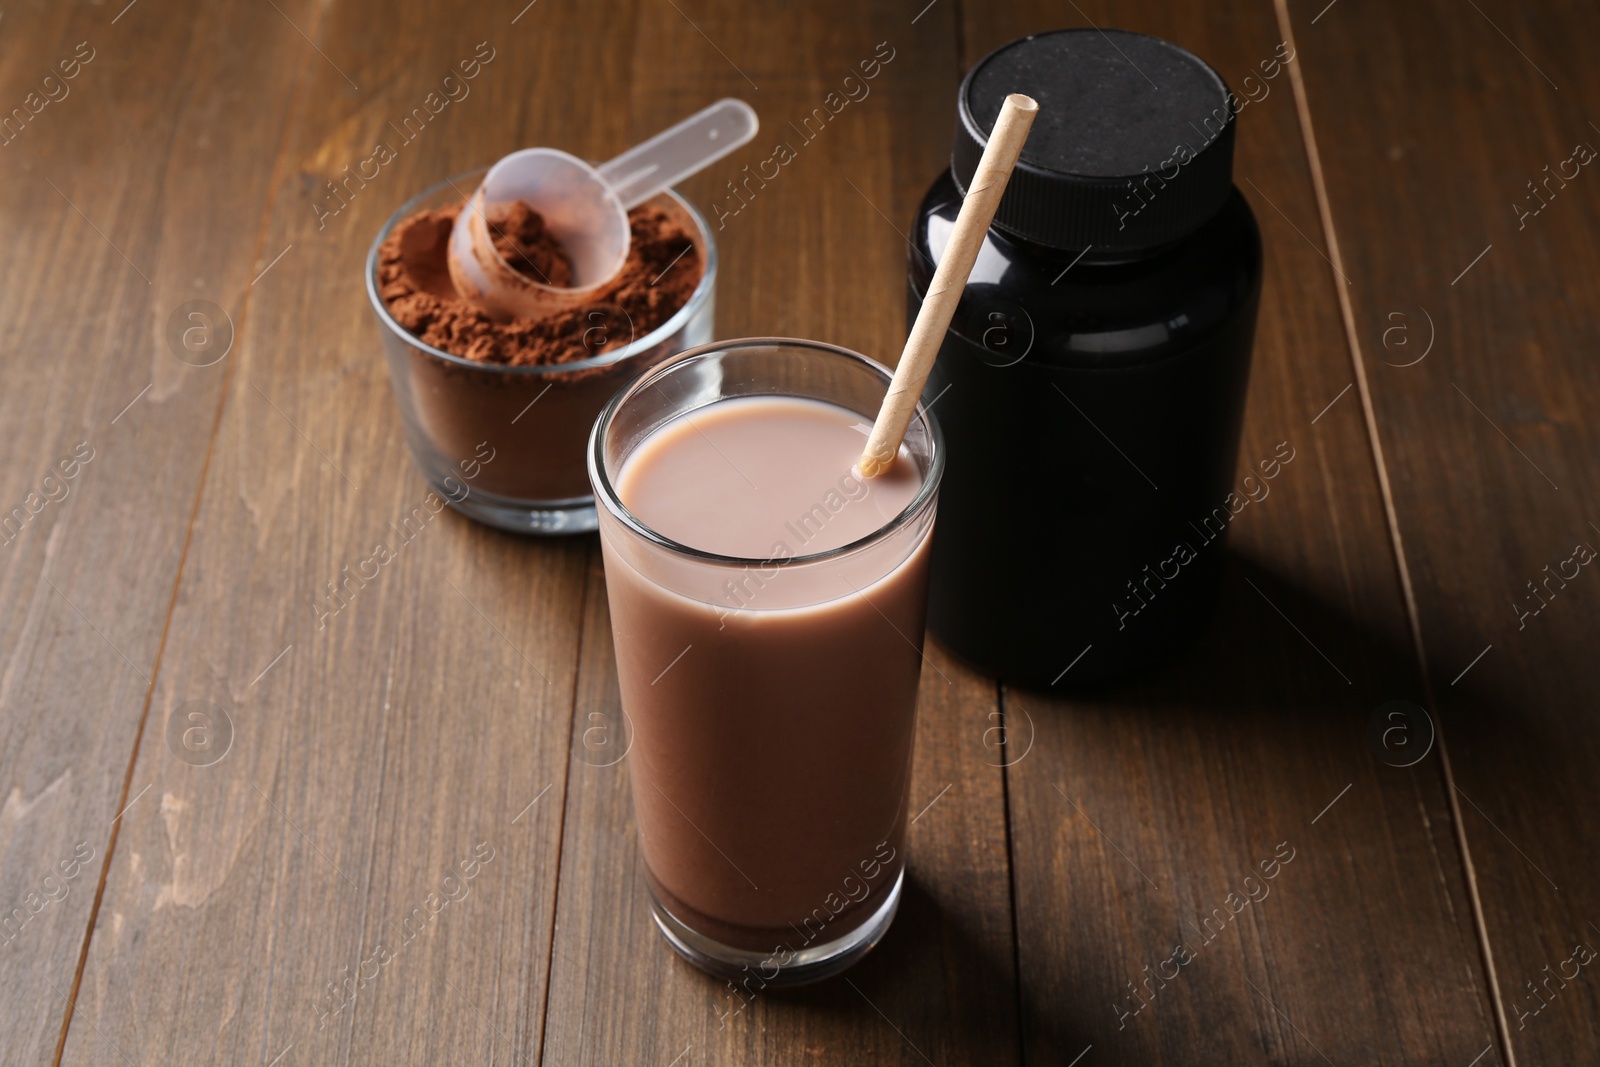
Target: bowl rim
691,307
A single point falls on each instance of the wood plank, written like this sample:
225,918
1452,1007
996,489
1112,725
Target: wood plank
808,255
1431,122
424,725
117,179
1143,805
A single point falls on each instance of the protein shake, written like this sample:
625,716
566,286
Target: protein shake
768,607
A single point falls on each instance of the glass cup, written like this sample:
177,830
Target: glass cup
532,422
772,701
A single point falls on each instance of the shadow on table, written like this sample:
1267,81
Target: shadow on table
1271,643
951,997
1276,695
1276,648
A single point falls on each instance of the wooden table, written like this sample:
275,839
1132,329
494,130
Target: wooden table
1426,345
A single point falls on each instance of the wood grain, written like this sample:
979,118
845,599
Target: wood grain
388,813
1489,440
1143,805
424,789
816,253
115,187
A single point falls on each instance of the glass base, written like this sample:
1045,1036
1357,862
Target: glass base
545,518
754,968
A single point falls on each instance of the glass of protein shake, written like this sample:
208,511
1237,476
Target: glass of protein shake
767,603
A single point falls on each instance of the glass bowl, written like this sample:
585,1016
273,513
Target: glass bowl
507,445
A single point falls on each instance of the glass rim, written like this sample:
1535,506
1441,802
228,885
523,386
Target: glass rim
606,493
697,299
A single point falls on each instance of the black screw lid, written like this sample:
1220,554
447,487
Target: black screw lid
1132,147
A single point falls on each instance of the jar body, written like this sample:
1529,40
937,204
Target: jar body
1092,410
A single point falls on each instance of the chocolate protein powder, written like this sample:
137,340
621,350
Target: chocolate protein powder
524,241
522,402
662,270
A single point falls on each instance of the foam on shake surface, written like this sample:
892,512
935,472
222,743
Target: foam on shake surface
763,477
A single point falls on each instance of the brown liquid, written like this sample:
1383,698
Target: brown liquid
773,707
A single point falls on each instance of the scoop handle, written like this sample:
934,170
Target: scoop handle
673,154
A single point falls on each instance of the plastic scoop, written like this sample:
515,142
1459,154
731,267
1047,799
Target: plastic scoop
585,208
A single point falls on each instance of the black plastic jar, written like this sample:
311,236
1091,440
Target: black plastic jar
1092,385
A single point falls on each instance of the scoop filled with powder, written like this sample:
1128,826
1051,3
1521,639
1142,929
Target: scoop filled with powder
582,209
